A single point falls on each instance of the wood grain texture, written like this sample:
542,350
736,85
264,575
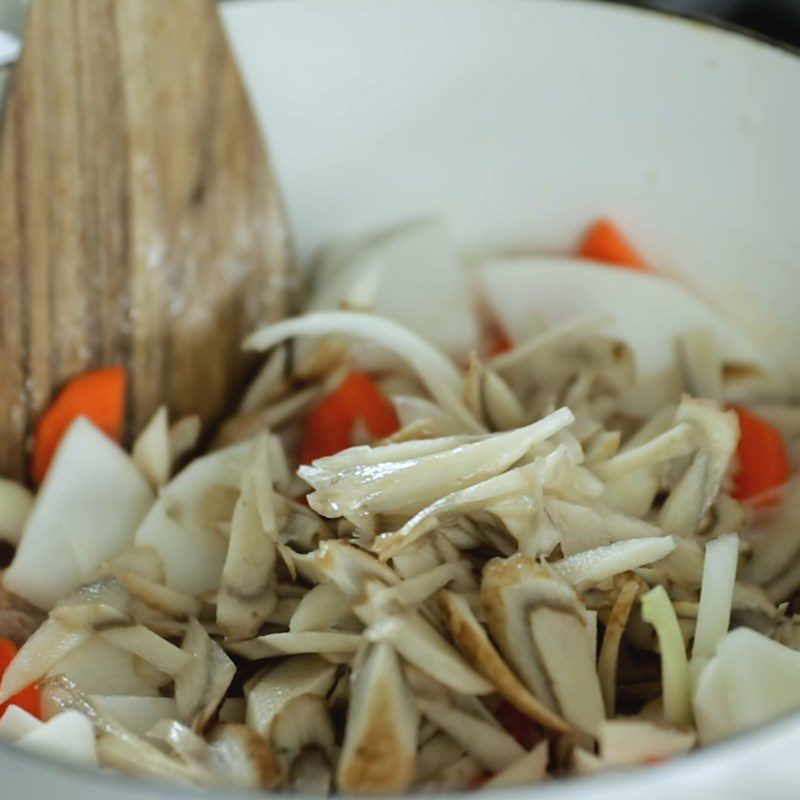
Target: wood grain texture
140,222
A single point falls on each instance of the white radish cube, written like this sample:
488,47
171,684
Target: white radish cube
88,508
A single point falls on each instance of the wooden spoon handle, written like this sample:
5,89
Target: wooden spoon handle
140,222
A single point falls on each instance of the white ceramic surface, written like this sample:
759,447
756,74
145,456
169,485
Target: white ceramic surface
523,120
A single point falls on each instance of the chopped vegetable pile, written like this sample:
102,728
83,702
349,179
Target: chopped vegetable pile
456,536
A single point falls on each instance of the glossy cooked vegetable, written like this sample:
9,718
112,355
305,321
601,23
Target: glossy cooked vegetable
405,568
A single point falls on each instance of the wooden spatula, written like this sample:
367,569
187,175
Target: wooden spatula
140,222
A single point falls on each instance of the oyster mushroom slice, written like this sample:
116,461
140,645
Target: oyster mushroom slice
498,488
675,443
531,768
718,432
541,628
490,399
247,590
149,646
594,566
414,591
380,741
476,647
584,527
420,644
279,644
48,645
243,757
95,605
350,568
304,742
488,744
151,452
269,693
322,608
568,659
407,486
436,752
609,650
201,685
160,598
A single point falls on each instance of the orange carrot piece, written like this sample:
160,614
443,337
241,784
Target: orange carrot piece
499,342
28,699
327,431
365,401
763,460
329,426
606,242
98,395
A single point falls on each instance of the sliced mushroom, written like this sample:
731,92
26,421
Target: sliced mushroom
435,753
243,757
324,607
516,482
103,603
414,591
247,591
303,739
490,399
609,651
421,645
49,645
202,683
460,775
349,568
269,693
151,451
488,744
183,437
407,486
149,646
160,598
540,626
529,769
135,757
697,489
279,644
269,383
592,567
380,742
476,647
584,527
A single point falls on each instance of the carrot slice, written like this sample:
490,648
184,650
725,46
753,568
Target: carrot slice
98,395
329,426
499,342
606,242
763,460
28,699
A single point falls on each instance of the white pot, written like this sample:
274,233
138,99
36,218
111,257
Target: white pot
524,120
